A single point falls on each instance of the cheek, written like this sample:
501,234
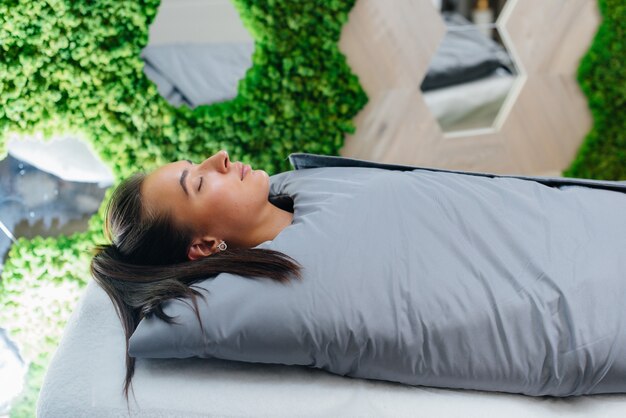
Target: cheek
218,201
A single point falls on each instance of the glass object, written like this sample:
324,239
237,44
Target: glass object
198,51
48,189
471,73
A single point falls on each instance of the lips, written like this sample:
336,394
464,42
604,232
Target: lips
245,170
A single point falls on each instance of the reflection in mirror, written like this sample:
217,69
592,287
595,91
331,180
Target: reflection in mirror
471,72
197,51
48,189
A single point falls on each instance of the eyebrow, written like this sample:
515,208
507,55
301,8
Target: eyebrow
183,176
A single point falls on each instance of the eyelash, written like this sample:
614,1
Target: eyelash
200,185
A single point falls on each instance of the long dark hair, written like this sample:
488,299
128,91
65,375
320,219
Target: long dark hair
146,262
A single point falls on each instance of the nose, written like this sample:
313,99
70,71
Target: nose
218,161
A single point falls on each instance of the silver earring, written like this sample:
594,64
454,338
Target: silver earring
222,246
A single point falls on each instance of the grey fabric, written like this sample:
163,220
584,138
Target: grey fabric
197,74
465,54
427,277
301,160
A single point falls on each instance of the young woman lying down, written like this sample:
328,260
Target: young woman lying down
419,276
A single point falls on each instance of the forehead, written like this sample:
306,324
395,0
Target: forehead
170,170
164,183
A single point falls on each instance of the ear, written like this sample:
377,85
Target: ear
202,247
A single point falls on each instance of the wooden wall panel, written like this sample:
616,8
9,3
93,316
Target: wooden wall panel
389,45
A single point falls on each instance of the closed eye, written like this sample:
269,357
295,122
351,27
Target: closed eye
200,185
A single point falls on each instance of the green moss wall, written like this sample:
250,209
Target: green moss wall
73,66
602,77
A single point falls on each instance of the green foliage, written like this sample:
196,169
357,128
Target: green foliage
44,281
73,66
46,275
602,77
68,64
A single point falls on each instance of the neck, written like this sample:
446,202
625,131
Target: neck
274,221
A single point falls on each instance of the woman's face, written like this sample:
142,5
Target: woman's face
211,197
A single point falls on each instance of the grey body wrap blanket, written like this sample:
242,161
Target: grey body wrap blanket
428,277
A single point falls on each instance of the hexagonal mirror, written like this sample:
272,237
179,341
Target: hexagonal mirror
48,189
472,72
197,52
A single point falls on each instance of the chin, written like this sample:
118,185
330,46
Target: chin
267,176
259,176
